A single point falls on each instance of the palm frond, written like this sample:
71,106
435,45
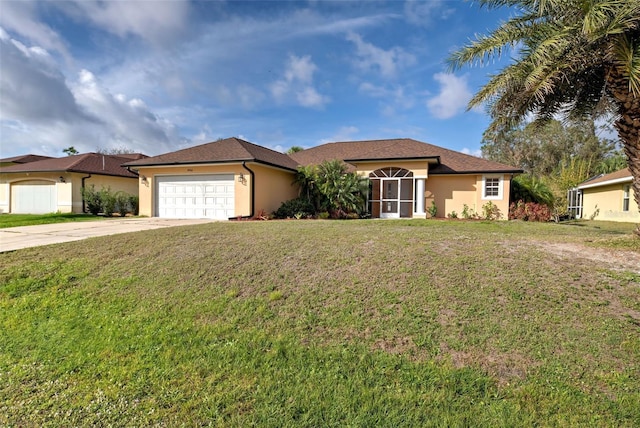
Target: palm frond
626,54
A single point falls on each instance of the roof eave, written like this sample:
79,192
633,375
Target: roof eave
60,170
435,159
606,183
217,162
185,163
481,171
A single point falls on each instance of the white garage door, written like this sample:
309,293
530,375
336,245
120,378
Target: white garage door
33,197
195,196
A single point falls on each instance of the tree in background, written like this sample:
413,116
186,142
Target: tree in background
70,151
294,149
612,163
574,58
121,150
540,149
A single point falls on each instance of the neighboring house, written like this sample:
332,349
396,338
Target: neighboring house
234,178
609,197
48,185
22,159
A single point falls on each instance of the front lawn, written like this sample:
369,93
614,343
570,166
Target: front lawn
325,323
15,220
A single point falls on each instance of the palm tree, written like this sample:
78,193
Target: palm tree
574,58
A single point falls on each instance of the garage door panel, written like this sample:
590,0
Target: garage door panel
210,196
34,197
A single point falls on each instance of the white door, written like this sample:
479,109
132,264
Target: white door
33,197
195,196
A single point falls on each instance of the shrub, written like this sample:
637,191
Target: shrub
295,208
433,209
134,204
490,211
122,203
529,211
452,214
108,201
92,199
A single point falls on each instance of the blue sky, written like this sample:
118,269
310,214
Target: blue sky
157,76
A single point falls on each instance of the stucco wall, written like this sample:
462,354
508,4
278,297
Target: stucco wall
69,193
452,192
273,187
605,203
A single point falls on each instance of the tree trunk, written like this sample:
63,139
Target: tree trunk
628,126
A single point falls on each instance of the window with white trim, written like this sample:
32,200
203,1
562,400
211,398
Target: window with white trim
626,190
492,187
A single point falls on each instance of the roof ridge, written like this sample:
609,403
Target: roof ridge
368,141
81,157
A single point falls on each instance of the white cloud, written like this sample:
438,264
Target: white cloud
345,133
453,97
300,69
309,97
423,13
477,152
32,88
156,22
298,84
386,62
21,17
39,107
391,98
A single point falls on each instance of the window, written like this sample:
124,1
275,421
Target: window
625,197
492,187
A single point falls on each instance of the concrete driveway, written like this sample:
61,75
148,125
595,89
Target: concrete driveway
15,238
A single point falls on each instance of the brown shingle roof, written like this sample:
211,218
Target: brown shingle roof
602,179
89,163
450,162
227,150
24,158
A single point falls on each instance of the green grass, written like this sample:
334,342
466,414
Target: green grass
322,323
15,220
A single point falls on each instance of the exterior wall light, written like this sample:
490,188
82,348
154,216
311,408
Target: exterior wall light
241,178
62,180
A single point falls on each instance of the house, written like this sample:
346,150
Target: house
609,197
22,159
38,184
235,178
224,179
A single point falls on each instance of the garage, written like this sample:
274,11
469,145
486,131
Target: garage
33,197
195,196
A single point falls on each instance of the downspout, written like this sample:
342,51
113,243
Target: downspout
253,193
84,208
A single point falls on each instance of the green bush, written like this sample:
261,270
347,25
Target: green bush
134,204
490,211
92,199
433,209
122,203
108,200
295,208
